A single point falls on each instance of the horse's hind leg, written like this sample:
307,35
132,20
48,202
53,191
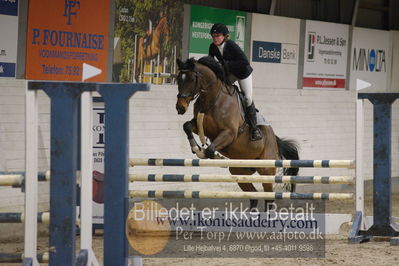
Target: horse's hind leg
267,187
249,187
270,152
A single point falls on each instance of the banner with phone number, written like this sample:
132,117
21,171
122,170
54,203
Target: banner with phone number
65,34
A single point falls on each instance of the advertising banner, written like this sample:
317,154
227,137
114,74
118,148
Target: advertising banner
202,19
148,39
67,40
326,49
98,113
275,44
370,59
9,37
98,145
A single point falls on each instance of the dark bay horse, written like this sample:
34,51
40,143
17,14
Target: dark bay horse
223,123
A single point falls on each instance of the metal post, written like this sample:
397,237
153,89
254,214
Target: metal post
354,14
272,7
116,98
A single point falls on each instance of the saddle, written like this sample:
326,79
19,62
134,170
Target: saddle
241,103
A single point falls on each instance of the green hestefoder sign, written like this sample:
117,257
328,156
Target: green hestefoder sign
202,19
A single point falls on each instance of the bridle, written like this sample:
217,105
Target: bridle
195,93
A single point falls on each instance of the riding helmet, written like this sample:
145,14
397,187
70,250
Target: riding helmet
219,28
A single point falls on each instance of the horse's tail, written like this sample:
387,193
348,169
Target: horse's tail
288,150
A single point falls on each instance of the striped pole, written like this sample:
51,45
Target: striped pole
244,163
184,194
242,179
17,217
19,257
16,179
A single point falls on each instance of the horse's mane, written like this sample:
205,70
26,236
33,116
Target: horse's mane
214,65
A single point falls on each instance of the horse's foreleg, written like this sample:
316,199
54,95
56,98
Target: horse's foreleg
188,128
219,143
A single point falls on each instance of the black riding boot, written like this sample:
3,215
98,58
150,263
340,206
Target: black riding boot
256,134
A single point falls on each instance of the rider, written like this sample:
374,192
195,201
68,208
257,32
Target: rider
237,67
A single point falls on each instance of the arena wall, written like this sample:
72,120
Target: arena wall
321,121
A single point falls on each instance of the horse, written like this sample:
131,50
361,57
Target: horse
203,81
149,49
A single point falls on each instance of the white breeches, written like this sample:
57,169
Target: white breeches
246,87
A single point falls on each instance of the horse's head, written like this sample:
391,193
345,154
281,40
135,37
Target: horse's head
188,84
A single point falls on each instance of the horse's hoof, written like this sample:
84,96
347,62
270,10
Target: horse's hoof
269,205
253,204
210,153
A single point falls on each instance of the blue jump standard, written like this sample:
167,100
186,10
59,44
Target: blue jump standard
64,151
116,159
65,98
382,206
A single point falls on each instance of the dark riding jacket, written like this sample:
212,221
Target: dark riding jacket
233,59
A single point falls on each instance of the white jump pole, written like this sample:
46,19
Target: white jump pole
86,192
31,170
359,158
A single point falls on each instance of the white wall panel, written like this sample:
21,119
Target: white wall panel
394,77
284,33
371,58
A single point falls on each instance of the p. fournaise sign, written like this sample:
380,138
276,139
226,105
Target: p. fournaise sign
65,35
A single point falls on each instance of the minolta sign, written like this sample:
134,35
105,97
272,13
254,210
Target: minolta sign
370,60
274,52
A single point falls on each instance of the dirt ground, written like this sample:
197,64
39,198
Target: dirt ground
338,251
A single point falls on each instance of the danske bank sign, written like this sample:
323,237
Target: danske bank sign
274,52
